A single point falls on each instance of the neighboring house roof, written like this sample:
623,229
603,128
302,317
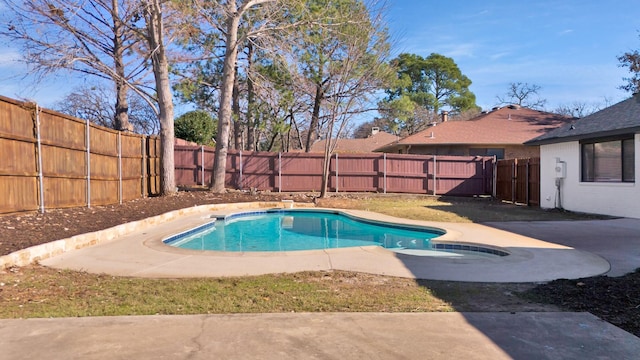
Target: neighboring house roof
509,125
182,142
621,118
365,145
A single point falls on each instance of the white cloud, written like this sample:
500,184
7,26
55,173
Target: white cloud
458,50
481,13
9,57
12,72
500,55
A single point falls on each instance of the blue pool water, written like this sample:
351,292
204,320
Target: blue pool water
290,230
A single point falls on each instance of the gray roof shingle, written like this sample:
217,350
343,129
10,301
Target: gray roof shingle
621,118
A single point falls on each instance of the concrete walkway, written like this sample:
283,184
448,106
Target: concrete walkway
320,336
581,250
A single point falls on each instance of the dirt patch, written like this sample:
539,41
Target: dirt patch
614,299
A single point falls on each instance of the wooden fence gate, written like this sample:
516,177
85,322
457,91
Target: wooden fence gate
518,181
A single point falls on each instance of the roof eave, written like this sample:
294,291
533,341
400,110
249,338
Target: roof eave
578,137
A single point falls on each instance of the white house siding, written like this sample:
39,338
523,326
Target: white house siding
616,199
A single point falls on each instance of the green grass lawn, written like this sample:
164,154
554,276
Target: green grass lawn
450,209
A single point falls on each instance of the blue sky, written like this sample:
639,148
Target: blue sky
567,47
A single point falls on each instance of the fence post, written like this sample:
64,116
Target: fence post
145,191
384,174
514,176
202,162
240,179
526,196
336,172
279,172
494,186
88,140
435,175
120,167
39,146
485,178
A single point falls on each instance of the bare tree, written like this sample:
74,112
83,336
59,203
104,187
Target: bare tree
232,16
631,60
95,103
228,18
280,102
355,76
312,50
109,39
523,94
90,37
575,109
580,109
154,12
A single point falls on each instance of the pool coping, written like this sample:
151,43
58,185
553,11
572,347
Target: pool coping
136,249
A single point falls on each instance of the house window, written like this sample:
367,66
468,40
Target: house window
608,161
497,152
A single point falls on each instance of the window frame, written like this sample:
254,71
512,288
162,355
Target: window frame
589,156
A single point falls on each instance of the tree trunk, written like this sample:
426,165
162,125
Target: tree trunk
226,92
251,120
315,119
326,162
287,141
294,123
160,66
233,16
325,175
237,124
272,142
121,120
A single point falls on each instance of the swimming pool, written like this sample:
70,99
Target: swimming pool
295,230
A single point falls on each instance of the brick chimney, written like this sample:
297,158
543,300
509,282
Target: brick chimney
445,116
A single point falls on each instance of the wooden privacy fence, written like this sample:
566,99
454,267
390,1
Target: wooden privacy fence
518,181
50,160
378,172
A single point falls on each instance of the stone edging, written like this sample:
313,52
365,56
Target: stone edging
44,251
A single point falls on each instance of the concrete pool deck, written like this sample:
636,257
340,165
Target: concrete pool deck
141,253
